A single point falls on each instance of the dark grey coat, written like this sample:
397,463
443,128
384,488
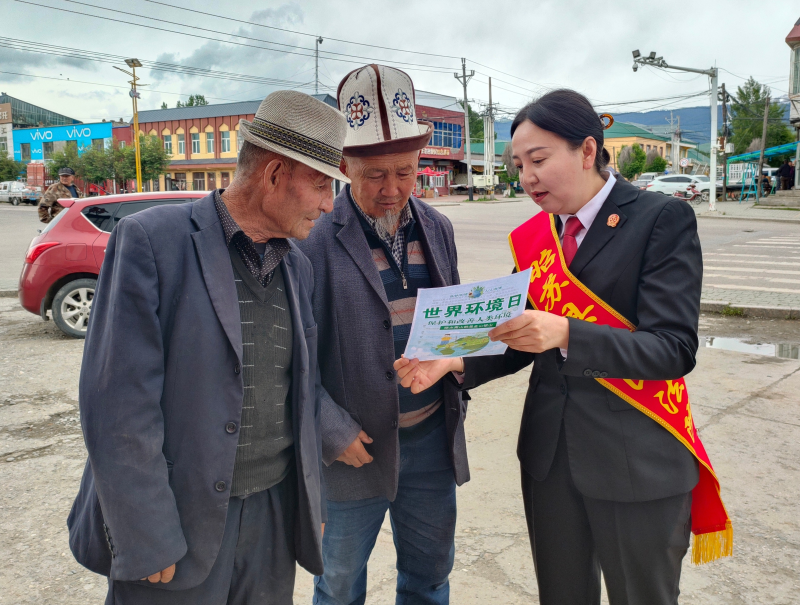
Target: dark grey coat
650,269
357,349
161,400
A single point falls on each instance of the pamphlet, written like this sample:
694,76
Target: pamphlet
455,321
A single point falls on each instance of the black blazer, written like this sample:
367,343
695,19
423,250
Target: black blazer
649,268
160,386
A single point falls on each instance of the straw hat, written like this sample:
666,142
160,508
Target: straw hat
379,105
299,127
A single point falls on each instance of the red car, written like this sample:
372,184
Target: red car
63,261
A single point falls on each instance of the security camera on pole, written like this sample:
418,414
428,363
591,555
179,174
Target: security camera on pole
654,61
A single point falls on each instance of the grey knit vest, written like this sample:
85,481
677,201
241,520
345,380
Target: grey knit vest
265,448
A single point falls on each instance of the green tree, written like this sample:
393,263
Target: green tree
155,159
194,101
96,165
631,161
9,169
654,162
123,164
66,158
164,105
747,115
475,124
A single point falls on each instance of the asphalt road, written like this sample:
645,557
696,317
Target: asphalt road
744,398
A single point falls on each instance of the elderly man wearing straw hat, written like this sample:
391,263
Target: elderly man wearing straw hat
199,393
385,448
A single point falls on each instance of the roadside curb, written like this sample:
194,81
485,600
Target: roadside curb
726,308
750,218
8,293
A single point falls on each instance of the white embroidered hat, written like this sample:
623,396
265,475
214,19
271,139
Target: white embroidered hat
379,105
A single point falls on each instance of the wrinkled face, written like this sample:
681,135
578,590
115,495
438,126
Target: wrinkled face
381,185
304,195
549,169
67,179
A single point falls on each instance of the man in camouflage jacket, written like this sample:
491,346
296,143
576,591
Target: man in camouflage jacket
48,205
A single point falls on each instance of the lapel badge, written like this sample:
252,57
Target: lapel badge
613,220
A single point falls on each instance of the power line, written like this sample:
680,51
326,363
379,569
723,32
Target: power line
71,53
418,67
192,10
165,92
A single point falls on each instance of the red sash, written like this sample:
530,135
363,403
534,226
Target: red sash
554,289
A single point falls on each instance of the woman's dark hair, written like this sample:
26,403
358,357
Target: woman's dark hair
569,115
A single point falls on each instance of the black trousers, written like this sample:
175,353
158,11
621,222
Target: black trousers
638,545
256,562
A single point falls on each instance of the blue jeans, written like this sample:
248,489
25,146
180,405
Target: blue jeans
423,517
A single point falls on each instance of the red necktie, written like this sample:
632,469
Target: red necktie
569,244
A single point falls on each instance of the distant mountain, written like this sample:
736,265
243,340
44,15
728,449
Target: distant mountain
695,122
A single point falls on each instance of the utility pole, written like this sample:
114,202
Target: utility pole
316,65
464,79
724,145
134,94
488,144
654,61
761,154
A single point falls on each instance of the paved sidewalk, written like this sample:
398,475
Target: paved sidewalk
748,210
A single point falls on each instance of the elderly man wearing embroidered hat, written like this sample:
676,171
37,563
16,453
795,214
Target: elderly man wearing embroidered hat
384,448
199,393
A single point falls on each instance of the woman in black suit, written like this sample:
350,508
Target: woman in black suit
604,485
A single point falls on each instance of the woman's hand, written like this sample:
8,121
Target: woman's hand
420,375
533,332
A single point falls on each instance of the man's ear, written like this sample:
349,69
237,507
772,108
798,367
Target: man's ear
343,166
274,171
589,151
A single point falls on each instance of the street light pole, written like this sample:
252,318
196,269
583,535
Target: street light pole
134,94
316,65
654,61
464,78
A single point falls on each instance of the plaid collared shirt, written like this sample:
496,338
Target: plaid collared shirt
397,242
274,251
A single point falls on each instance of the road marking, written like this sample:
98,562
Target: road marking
744,269
754,288
769,279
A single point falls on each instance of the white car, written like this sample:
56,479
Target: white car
670,183
15,192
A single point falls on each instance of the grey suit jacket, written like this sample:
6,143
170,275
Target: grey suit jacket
649,268
357,349
161,400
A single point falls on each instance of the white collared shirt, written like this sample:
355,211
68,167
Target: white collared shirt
586,215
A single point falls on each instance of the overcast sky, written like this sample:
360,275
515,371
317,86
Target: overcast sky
537,44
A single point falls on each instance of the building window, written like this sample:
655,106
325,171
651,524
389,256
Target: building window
195,142
47,150
122,144
167,144
72,145
226,141
648,148
239,143
199,180
446,135
98,144
25,152
4,145
209,142
225,180
661,151
179,181
156,184
181,144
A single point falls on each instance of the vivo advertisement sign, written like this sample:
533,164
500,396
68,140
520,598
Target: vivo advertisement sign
30,144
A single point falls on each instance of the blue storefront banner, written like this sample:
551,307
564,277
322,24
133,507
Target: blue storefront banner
83,134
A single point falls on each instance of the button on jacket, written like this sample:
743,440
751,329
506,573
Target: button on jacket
161,414
357,349
649,269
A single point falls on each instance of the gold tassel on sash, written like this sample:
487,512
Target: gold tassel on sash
712,546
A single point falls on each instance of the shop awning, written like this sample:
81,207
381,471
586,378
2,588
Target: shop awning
429,172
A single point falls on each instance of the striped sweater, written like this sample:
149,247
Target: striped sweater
401,283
